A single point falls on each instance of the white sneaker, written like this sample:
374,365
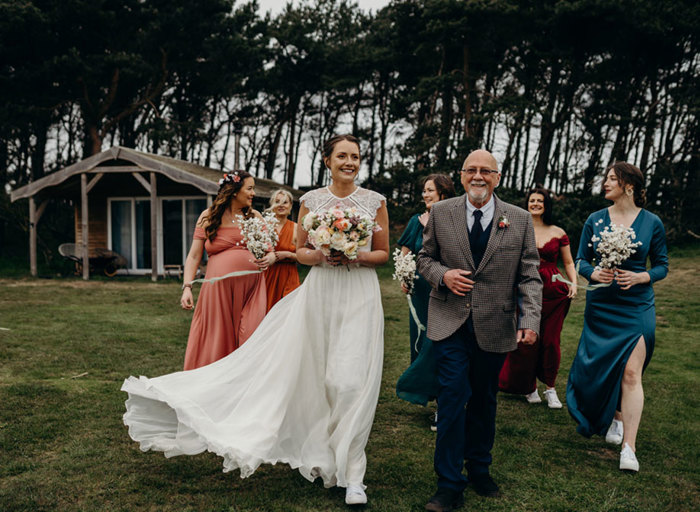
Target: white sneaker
628,460
552,399
615,432
534,397
355,495
433,422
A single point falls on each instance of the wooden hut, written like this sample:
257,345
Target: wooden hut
140,205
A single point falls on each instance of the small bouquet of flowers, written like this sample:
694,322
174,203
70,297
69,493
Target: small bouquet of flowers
615,245
339,229
405,269
259,234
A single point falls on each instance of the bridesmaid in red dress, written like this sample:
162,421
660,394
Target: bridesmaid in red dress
281,276
230,309
541,360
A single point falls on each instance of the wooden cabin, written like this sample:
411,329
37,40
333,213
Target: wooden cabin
139,205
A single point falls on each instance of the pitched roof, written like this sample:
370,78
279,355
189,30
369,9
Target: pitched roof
205,179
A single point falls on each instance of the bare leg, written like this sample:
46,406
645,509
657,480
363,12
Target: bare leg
633,394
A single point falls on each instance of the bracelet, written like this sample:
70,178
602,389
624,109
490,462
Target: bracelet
187,285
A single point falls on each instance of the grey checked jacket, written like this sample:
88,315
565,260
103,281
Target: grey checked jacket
507,283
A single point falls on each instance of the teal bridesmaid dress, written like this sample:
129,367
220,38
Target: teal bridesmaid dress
614,320
418,384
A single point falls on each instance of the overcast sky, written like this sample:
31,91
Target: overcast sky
277,5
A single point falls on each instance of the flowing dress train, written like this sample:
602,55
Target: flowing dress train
302,390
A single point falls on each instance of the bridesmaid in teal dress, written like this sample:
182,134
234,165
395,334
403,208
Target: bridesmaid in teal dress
418,384
604,393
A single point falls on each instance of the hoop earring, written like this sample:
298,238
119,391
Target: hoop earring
630,191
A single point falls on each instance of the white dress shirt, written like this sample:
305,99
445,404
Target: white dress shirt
487,213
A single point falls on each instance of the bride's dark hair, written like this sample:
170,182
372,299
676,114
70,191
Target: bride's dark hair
329,145
230,186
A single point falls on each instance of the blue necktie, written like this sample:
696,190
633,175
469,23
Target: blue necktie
477,230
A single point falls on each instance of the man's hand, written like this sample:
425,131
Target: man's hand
526,336
457,281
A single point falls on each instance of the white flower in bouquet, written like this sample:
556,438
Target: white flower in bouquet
615,245
259,235
339,229
405,269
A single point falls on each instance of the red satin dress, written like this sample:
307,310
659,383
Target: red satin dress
282,278
229,310
541,360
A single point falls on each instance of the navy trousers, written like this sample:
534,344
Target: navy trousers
468,379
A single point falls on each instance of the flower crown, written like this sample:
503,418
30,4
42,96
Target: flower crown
230,177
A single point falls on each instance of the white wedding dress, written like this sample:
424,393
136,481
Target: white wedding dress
302,390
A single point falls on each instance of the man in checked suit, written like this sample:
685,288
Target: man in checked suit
479,255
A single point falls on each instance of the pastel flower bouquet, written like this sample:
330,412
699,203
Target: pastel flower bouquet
339,229
615,245
259,235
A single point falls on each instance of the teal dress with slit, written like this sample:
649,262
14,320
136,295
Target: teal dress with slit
614,320
418,384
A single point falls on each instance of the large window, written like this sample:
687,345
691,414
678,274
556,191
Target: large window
179,219
130,229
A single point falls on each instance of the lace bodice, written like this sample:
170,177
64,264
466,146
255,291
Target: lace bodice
321,199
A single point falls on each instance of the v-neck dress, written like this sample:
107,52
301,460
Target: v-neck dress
614,320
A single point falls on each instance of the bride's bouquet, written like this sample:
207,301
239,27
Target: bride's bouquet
405,269
259,235
615,245
339,229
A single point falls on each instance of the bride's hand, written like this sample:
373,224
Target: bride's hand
337,258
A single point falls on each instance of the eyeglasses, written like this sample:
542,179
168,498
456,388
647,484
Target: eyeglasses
484,172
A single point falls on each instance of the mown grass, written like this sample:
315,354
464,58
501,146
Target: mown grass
63,445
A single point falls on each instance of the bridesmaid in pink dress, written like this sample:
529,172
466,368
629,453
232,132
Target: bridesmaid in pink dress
541,360
228,310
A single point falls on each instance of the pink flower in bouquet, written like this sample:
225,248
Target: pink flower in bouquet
338,213
342,224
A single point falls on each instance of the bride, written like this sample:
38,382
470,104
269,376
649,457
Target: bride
304,387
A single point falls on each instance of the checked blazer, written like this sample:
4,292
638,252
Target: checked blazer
507,293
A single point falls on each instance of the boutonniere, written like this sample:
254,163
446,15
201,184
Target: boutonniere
503,222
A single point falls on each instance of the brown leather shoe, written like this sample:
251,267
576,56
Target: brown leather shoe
445,500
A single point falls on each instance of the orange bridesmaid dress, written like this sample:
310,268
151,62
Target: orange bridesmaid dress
229,310
282,278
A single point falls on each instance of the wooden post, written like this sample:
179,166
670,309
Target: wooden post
84,225
154,228
32,237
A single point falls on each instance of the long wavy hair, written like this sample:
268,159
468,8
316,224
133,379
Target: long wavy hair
547,215
227,191
628,174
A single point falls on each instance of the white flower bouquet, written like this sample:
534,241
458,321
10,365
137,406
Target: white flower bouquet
339,229
405,269
615,245
259,235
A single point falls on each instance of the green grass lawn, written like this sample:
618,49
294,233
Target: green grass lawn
67,345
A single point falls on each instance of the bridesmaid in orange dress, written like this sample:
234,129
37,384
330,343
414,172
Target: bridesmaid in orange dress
228,310
282,277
